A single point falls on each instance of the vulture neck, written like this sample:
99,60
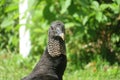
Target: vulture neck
56,46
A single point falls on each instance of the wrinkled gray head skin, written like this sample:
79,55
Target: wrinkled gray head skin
57,29
56,41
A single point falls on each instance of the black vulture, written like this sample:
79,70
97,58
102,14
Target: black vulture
53,61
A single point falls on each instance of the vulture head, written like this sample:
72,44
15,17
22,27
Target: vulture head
56,39
57,30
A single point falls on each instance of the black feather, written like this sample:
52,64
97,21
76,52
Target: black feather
53,61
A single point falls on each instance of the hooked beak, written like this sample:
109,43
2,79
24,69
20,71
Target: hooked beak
62,36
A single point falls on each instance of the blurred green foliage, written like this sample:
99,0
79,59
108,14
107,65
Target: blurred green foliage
8,26
92,27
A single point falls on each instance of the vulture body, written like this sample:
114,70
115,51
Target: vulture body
53,61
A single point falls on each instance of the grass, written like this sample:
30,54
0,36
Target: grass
14,67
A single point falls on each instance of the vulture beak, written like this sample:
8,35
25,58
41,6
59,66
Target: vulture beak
62,36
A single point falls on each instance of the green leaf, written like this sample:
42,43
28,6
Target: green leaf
115,8
11,7
99,16
65,5
115,38
118,1
2,2
6,22
104,6
85,20
69,25
95,5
